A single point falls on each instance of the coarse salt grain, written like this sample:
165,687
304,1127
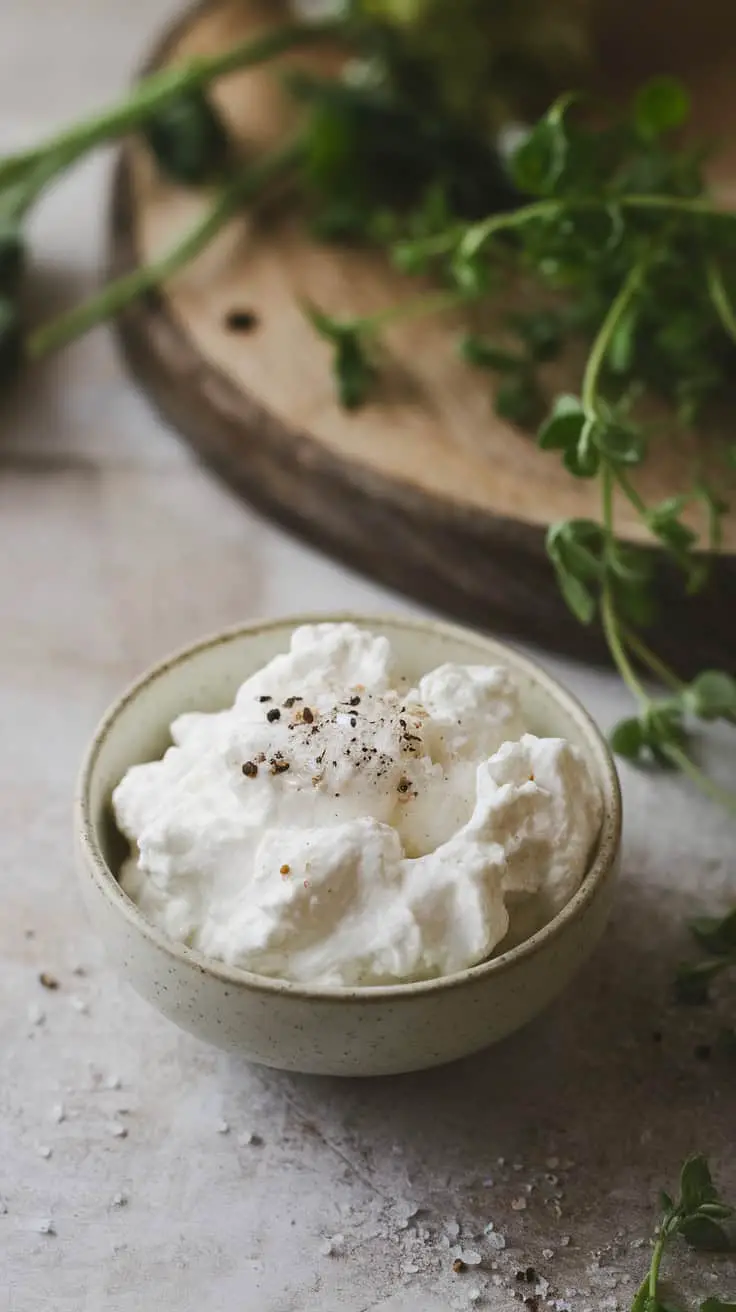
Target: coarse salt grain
518,1204
43,1150
119,1200
58,1113
470,1256
118,1131
36,1014
222,1127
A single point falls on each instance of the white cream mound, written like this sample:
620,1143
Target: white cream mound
338,827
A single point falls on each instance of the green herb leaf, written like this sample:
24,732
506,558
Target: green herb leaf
717,1305
717,936
577,546
352,368
354,372
712,695
627,738
620,445
518,400
564,426
660,106
189,140
696,1183
538,162
582,459
664,523
705,1234
578,597
541,331
484,354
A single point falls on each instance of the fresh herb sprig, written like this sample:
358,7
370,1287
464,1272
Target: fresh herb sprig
698,1216
190,143
619,228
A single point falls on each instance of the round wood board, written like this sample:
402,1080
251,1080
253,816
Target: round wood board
425,489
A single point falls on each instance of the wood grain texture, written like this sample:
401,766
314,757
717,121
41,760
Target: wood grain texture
426,489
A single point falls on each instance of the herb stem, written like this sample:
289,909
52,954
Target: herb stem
720,298
154,92
426,303
656,1262
630,492
477,235
116,295
650,659
602,342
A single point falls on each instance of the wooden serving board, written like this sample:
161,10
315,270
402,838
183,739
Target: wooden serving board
425,489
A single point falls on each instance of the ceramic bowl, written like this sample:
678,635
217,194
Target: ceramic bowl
335,1031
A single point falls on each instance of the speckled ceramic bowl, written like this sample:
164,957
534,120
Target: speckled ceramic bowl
336,1031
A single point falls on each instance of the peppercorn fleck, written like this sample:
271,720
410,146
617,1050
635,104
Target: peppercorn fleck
265,697
279,766
250,769
307,715
355,701
241,321
273,714
285,870
458,1265
48,981
403,785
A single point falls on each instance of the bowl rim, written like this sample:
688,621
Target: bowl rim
600,869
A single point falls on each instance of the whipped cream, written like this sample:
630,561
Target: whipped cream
337,826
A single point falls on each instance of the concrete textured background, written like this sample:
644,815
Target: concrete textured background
139,1168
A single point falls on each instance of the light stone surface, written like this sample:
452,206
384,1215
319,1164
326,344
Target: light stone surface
114,548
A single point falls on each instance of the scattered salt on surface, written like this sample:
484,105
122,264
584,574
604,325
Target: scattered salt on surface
333,1246
470,1256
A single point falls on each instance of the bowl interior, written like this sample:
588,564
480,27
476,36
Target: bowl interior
206,678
